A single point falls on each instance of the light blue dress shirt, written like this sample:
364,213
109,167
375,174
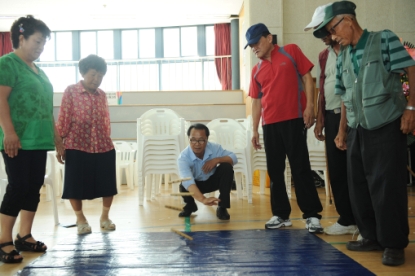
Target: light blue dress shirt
191,166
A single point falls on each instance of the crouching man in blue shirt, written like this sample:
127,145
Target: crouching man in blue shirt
210,168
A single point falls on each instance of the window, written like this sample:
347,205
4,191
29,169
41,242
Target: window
171,42
49,50
141,68
188,39
64,46
147,43
109,82
139,77
61,76
210,76
210,41
88,43
181,75
129,44
106,44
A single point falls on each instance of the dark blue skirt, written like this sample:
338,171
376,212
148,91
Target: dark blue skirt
89,175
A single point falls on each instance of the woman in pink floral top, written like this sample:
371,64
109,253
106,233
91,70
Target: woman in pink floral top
84,125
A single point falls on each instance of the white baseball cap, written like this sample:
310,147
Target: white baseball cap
318,17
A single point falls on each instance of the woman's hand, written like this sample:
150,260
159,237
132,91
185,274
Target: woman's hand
60,156
60,149
11,144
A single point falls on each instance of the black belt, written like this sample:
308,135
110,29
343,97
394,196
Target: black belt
334,111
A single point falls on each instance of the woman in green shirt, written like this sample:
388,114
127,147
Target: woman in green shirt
27,132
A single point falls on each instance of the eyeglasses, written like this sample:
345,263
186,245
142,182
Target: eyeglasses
332,29
200,142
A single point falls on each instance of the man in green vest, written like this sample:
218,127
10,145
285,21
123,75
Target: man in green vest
374,134
328,118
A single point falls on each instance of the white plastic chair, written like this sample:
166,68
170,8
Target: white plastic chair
232,136
3,179
124,162
60,171
51,182
134,147
317,154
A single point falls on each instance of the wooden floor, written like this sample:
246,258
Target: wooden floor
153,216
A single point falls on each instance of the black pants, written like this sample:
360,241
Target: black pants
376,163
26,174
337,165
283,139
221,180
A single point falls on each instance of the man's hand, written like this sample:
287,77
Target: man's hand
308,117
210,165
255,141
408,121
318,131
11,144
340,140
210,201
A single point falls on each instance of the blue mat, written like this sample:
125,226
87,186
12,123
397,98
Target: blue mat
265,252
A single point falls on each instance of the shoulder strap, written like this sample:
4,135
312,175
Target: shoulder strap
257,82
323,56
299,80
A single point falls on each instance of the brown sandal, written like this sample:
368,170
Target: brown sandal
8,258
22,245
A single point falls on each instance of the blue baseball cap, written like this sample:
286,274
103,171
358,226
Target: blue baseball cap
254,33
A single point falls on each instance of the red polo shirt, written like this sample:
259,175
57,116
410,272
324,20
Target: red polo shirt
276,84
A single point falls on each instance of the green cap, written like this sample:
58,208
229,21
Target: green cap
341,7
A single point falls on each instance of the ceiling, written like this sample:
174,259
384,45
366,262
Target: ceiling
116,14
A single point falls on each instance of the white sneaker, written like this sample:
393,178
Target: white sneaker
338,229
313,225
277,222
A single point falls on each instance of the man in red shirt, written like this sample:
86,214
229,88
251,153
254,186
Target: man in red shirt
282,94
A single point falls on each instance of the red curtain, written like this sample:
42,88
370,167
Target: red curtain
223,48
5,44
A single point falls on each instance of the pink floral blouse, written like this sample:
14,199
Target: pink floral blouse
84,121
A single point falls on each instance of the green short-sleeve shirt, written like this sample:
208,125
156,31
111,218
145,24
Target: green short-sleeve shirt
30,102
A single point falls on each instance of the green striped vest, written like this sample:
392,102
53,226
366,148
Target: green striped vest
374,97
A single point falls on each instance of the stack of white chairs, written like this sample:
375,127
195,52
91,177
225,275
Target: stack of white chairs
124,162
233,137
160,139
317,153
259,162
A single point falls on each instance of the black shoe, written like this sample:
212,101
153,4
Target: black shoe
222,213
393,257
188,210
364,245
